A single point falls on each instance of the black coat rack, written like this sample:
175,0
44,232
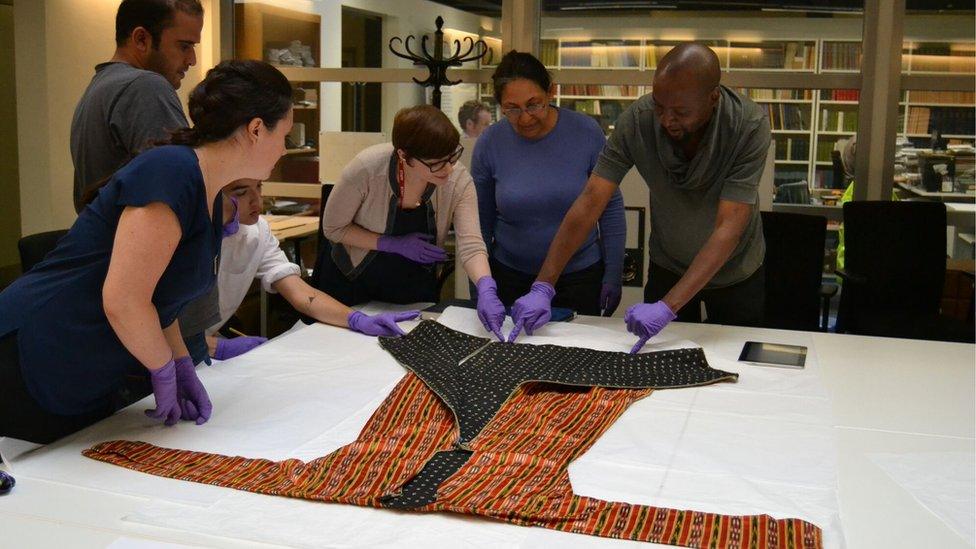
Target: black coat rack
437,64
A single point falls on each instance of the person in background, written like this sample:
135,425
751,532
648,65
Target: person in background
701,148
131,103
474,116
249,250
104,302
528,169
388,217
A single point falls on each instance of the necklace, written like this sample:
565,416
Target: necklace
401,182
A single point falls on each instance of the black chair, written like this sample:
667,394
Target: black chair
894,271
794,270
837,167
34,247
797,192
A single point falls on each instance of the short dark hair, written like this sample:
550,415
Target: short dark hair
518,64
470,111
152,15
424,132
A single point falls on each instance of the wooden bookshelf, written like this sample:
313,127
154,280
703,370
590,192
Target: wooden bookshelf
259,27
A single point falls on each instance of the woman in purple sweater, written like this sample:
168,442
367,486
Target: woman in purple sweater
528,169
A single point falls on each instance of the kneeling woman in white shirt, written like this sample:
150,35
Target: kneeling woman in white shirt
250,251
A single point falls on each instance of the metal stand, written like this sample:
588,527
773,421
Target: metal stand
437,64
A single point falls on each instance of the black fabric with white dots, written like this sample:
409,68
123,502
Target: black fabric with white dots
475,376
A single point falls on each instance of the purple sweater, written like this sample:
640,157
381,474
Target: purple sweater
525,187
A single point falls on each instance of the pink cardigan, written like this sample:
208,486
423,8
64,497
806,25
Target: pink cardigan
365,193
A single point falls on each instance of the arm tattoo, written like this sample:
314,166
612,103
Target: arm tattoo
311,298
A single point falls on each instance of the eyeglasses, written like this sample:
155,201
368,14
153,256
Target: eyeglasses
533,110
439,165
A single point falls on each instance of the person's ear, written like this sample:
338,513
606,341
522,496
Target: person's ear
254,129
716,92
141,39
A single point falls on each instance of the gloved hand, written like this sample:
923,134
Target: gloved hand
646,320
164,390
194,401
416,247
532,310
610,298
229,348
383,324
491,312
234,225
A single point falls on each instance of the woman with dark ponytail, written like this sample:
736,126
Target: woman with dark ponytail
103,304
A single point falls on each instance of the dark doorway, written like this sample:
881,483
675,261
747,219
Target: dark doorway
362,43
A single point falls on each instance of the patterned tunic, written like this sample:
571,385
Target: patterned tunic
488,429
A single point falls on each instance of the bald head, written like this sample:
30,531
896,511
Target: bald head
686,91
689,65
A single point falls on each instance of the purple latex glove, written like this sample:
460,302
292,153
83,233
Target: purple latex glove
234,225
229,348
416,247
491,312
383,324
164,390
532,310
610,298
194,401
646,320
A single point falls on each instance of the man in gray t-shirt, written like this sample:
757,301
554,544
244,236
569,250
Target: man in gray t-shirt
131,102
701,148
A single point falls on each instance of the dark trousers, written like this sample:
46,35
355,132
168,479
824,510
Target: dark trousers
22,417
578,291
740,304
388,277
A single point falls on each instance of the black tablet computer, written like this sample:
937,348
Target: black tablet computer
773,354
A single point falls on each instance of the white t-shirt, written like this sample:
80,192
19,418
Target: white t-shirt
251,253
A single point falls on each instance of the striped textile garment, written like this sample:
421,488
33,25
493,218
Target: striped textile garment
417,453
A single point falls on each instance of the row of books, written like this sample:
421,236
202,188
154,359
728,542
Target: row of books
609,53
918,120
840,95
594,89
759,94
786,116
773,55
841,56
792,148
838,120
824,148
953,97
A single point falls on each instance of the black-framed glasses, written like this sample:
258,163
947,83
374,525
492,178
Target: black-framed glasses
533,110
439,165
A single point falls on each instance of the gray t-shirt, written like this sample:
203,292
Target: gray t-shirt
685,194
123,110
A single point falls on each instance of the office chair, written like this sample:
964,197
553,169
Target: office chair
840,177
794,269
894,271
793,193
34,247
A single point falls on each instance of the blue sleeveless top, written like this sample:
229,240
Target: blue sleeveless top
70,357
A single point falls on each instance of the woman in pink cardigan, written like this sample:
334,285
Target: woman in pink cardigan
389,214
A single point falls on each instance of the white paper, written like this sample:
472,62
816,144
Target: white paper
942,482
757,446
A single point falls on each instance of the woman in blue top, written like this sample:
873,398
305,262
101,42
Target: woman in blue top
528,169
105,301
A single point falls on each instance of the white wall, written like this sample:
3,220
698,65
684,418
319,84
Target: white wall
59,42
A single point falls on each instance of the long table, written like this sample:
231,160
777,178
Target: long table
894,404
